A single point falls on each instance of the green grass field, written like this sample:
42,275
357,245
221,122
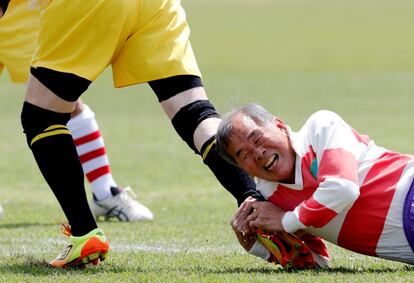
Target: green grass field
295,57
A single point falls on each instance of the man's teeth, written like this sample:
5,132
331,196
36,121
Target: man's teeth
271,161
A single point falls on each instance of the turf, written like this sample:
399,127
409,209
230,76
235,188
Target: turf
295,57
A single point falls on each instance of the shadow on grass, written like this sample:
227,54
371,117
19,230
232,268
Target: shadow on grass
36,267
32,266
341,270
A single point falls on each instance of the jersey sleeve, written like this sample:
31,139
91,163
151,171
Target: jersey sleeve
337,148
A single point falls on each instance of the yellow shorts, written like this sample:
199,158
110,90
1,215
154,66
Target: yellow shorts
143,40
18,32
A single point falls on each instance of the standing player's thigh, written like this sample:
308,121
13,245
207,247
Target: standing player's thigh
158,48
15,56
82,37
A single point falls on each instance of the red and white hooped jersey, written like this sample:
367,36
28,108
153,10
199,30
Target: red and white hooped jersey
347,190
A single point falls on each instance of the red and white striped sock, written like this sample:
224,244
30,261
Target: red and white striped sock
92,153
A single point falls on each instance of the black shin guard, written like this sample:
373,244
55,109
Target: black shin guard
235,180
55,153
189,117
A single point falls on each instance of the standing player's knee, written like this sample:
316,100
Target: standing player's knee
38,122
189,117
189,114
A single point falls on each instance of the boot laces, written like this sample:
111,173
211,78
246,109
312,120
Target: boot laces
65,229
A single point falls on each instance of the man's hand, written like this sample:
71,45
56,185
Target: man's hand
240,224
1,12
266,217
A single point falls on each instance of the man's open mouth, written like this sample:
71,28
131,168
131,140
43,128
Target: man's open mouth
269,164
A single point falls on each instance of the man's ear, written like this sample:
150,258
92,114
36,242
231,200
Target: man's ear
279,123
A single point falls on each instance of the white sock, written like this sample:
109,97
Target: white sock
92,153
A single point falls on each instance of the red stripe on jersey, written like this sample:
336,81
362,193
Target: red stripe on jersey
309,181
364,222
361,138
312,213
315,244
87,138
95,174
338,163
92,154
287,199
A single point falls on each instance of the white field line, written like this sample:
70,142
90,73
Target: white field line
48,245
33,246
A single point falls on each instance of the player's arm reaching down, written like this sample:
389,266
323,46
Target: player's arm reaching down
300,250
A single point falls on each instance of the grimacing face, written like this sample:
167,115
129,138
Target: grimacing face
262,151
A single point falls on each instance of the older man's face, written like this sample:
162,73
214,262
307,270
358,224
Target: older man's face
262,151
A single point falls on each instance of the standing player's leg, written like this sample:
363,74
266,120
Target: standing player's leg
109,200
15,55
62,69
44,118
196,121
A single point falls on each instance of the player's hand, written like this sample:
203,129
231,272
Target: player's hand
266,217
240,224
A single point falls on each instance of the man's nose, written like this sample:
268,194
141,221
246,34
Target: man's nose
259,153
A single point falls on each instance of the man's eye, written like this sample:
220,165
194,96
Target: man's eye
258,140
